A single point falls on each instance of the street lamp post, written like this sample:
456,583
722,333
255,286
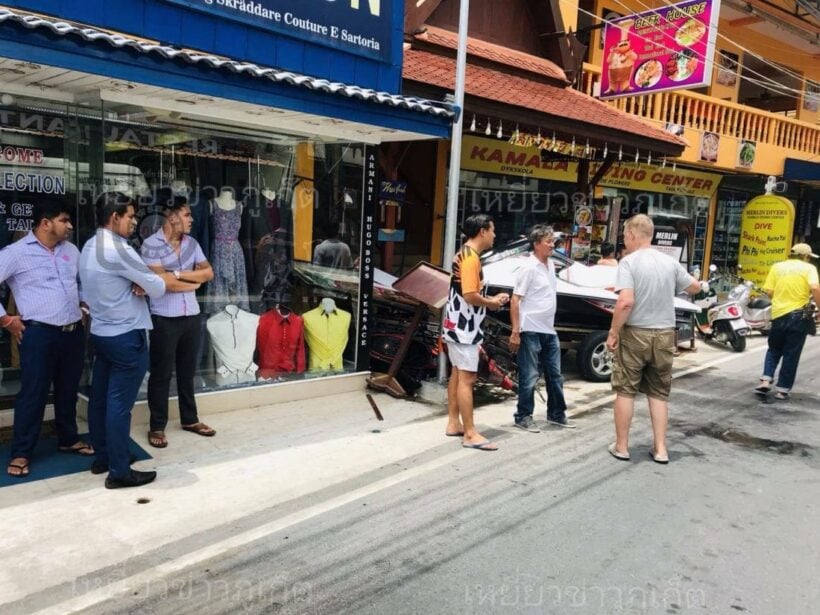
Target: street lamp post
451,220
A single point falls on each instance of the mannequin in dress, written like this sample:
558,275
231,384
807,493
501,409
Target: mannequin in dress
230,283
326,334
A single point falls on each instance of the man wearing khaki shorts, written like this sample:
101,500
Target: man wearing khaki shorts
642,334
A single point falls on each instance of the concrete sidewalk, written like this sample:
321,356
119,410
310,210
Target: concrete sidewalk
73,537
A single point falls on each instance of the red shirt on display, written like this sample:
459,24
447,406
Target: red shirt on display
280,342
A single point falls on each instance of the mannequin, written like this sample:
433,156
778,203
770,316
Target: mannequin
326,334
328,305
230,283
280,343
225,200
233,337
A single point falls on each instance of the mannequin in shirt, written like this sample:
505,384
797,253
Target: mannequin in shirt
280,343
233,338
230,283
326,334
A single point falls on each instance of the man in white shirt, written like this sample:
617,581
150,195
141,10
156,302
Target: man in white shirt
532,314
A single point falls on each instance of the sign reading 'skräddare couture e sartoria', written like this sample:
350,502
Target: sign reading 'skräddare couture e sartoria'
362,27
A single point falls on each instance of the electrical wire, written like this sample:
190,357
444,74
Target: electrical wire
656,44
783,69
773,86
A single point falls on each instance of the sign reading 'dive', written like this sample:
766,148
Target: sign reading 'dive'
361,27
668,48
766,226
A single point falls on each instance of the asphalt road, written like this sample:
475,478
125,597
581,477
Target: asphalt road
552,524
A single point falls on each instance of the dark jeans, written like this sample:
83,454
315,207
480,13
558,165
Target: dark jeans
540,352
120,363
174,344
47,356
786,339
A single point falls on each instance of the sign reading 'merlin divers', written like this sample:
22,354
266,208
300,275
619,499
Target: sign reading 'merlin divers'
361,27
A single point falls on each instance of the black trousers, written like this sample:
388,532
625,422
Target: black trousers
174,344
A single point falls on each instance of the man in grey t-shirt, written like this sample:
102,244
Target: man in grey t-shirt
642,334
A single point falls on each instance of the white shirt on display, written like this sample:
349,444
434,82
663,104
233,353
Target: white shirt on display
233,337
537,284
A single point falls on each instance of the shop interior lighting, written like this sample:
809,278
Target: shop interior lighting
488,131
472,124
500,133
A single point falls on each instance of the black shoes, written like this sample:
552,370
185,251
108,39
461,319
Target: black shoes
134,478
100,468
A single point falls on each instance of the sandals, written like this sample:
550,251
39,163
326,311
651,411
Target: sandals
22,467
617,454
83,450
157,439
782,396
200,429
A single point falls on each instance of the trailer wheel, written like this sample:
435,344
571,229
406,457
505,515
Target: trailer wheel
593,360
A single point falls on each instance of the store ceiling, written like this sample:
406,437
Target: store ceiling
60,85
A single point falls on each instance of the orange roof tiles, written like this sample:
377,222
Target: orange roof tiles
496,53
564,102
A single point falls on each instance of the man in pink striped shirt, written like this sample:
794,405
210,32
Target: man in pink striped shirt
176,318
42,271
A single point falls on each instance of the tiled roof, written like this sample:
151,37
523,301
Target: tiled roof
530,95
495,53
166,52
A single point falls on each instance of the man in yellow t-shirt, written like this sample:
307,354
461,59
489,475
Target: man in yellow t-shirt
790,284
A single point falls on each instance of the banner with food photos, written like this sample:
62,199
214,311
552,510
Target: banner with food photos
668,48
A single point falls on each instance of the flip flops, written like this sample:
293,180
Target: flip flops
455,434
201,429
78,450
482,446
22,466
763,389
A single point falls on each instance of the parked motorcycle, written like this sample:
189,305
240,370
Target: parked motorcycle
756,310
720,321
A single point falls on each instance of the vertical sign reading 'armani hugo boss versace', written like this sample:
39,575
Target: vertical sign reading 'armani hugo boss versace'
370,197
361,27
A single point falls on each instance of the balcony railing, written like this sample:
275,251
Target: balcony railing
701,112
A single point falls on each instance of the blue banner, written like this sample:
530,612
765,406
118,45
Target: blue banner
361,27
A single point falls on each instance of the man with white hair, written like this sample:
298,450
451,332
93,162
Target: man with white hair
642,334
790,284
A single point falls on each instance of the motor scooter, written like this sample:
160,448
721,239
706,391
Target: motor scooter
720,321
756,310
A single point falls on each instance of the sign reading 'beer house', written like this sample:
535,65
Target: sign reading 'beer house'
668,48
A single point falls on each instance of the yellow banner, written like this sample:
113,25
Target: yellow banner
766,226
491,156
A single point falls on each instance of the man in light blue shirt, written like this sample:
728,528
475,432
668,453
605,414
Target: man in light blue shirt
115,282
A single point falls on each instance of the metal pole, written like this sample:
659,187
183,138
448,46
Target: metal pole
451,221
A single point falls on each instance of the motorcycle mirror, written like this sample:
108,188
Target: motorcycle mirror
713,268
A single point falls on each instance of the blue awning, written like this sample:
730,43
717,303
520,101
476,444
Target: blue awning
801,170
83,48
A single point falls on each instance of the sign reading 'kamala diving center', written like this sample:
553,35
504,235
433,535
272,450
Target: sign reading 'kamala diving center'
668,48
361,27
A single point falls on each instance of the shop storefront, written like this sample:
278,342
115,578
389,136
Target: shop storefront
519,187
280,169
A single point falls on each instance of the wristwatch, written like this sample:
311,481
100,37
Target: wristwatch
176,273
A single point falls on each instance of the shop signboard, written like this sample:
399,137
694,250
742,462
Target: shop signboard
361,27
668,48
502,158
367,256
669,240
766,226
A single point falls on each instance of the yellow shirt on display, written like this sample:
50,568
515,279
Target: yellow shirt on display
326,336
790,282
